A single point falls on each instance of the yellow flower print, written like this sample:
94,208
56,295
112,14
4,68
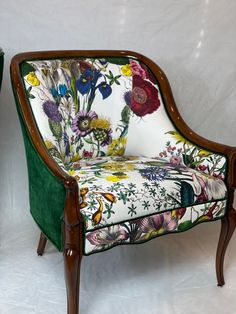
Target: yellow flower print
117,147
126,70
160,231
174,213
152,233
204,153
71,172
48,144
132,157
179,138
100,123
203,218
115,178
32,79
76,158
117,166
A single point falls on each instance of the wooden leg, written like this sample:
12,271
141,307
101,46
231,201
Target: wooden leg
228,224
73,243
72,261
42,244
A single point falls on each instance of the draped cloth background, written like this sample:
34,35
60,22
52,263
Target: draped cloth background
194,43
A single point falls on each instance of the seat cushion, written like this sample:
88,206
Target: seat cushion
144,229
114,190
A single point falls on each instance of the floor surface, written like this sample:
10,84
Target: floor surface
170,275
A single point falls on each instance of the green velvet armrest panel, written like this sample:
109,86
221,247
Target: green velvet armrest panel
47,194
1,67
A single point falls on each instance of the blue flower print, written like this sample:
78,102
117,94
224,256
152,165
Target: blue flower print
63,90
105,90
154,173
83,85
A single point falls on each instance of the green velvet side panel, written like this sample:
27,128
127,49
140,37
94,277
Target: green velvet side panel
47,194
1,66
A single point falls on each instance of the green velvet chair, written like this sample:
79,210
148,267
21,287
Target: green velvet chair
110,160
1,66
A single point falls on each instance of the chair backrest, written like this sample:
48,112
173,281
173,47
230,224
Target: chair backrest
83,106
94,106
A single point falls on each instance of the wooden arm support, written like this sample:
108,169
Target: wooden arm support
73,245
232,170
73,222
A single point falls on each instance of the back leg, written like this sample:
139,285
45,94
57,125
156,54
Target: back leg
228,224
42,244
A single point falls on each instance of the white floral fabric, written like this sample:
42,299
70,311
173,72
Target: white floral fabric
149,227
117,189
86,108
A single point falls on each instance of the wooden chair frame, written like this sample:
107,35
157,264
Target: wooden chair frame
73,221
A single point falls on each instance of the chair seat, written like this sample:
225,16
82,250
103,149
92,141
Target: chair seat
143,192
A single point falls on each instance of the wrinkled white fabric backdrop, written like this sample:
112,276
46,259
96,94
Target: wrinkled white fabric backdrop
194,42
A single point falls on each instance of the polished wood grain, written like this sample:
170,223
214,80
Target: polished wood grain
228,225
73,222
73,245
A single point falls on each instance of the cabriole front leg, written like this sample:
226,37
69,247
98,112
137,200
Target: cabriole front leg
228,224
72,261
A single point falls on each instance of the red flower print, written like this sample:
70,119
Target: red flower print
85,66
202,167
87,154
149,75
137,69
144,98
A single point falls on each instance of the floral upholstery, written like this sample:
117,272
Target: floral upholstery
81,107
94,115
146,228
113,189
116,189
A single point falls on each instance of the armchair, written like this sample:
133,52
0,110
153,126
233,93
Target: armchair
110,160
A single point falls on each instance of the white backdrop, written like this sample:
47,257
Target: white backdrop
194,42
